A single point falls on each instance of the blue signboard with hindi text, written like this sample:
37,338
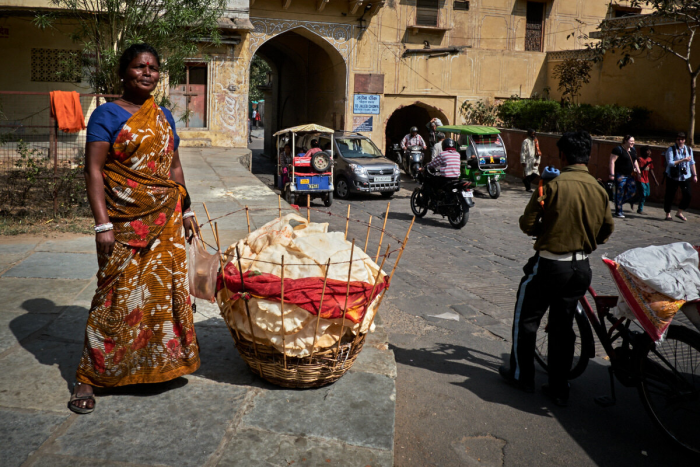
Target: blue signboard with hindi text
366,104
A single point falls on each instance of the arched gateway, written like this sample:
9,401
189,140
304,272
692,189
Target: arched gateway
309,72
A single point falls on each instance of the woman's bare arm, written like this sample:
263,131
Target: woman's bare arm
178,175
95,158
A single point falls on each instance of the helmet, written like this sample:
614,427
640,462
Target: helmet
448,143
414,129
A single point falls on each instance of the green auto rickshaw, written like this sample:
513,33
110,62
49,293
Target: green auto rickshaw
484,160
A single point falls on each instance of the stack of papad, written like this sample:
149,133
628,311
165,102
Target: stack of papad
306,248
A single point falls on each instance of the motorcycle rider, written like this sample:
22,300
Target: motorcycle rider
413,139
448,161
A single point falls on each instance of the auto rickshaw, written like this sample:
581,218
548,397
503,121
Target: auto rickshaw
299,175
484,160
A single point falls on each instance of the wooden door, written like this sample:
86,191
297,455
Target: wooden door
190,98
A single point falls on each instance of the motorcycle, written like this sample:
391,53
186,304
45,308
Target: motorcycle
413,159
396,154
452,200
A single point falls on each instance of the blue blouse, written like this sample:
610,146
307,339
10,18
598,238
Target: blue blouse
108,120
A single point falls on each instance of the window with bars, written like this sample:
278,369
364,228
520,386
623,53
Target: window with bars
427,12
56,66
460,5
534,28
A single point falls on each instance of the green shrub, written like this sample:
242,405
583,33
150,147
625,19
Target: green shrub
537,114
479,113
550,116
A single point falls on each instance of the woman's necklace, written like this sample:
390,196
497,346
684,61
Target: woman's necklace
128,102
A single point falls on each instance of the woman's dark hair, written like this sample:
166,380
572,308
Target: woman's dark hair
643,151
626,138
134,51
576,147
530,132
314,143
680,135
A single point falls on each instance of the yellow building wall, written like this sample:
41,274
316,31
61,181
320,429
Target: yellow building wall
491,63
661,84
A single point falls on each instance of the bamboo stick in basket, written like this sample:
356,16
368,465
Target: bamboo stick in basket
247,310
369,226
374,287
347,294
347,222
216,238
396,264
226,294
247,218
279,205
284,346
320,307
381,238
308,208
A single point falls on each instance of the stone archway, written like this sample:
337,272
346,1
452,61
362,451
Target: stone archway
405,116
310,79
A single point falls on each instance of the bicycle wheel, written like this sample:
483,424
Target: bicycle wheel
670,386
582,345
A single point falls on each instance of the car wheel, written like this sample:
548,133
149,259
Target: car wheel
328,199
289,196
342,189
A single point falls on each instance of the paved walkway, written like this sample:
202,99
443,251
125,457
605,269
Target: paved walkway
221,415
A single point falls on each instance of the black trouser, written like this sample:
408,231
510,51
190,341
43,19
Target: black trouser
671,187
528,181
557,285
436,182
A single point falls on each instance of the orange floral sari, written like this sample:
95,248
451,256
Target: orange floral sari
140,328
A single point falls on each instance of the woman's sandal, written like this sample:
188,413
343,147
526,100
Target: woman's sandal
75,398
681,217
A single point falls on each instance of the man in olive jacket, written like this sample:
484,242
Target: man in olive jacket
574,219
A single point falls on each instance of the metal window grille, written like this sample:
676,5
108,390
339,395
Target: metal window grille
460,5
56,65
534,29
427,12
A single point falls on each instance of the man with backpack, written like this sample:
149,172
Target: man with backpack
680,168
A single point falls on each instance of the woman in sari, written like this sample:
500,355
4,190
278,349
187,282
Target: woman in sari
140,328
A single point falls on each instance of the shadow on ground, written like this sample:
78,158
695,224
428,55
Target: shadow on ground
602,432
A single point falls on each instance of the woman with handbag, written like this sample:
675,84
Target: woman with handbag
623,162
680,168
140,328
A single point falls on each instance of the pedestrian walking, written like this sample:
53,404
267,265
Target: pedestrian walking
570,223
140,328
623,163
530,156
437,147
680,169
646,168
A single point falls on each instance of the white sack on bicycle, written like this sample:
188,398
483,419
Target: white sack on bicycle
672,270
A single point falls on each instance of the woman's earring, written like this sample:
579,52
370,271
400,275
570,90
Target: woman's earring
122,80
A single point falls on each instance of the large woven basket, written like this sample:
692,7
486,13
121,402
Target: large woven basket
324,366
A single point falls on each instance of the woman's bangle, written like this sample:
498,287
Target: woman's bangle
188,214
99,228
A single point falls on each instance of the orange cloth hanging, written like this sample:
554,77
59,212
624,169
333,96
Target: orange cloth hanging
66,109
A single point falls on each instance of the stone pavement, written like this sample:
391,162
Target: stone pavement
221,415
449,315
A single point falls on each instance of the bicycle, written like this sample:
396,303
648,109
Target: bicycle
666,375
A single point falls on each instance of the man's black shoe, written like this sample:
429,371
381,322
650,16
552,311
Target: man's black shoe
506,374
562,400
